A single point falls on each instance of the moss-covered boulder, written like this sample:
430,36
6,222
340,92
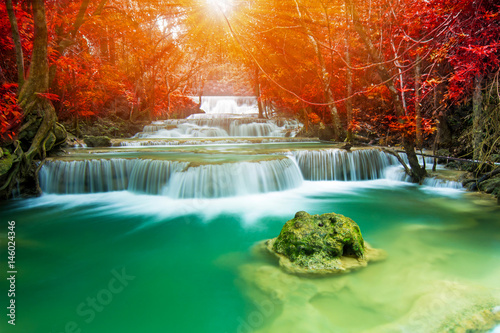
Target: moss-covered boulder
321,244
6,161
97,141
491,186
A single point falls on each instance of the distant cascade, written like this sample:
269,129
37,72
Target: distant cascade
93,176
215,105
223,116
220,127
171,178
339,164
255,129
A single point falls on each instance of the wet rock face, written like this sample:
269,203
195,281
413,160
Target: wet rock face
314,240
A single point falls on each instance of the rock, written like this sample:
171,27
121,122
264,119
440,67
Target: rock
321,244
60,133
97,141
6,161
491,186
50,141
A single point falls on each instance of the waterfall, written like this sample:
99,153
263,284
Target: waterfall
233,179
220,127
223,105
194,180
338,164
223,116
255,129
171,178
441,183
93,176
180,130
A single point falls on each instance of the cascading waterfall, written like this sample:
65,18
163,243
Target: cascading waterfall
93,176
255,129
233,179
171,178
337,164
181,180
180,130
220,127
235,116
223,105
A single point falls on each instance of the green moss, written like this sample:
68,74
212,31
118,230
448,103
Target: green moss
315,240
5,162
97,141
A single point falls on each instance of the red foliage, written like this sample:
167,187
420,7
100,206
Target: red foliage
11,115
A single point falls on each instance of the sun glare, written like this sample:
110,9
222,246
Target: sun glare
224,6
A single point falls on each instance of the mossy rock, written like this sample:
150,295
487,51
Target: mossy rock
60,133
321,244
6,162
97,141
491,185
50,141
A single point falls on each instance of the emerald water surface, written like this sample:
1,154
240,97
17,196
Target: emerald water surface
125,262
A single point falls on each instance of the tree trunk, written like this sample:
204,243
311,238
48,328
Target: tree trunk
417,172
418,109
17,43
323,75
257,92
39,132
477,113
348,102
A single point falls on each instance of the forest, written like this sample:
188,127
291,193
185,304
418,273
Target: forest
415,74
250,166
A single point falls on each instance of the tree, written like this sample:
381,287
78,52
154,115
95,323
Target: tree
417,172
39,132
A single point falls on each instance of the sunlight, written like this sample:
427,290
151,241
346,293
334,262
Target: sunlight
224,6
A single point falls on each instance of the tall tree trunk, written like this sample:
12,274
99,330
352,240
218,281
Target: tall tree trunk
418,109
417,172
17,43
323,75
257,92
348,102
39,132
477,114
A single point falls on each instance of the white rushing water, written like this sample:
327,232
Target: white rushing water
170,178
234,179
229,105
223,116
220,127
336,164
178,179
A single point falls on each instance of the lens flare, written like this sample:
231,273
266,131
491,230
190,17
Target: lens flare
223,6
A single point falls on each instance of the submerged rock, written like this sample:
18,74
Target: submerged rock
321,244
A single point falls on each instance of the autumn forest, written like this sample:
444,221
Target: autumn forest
420,74
250,166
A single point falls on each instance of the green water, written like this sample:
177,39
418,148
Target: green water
188,265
